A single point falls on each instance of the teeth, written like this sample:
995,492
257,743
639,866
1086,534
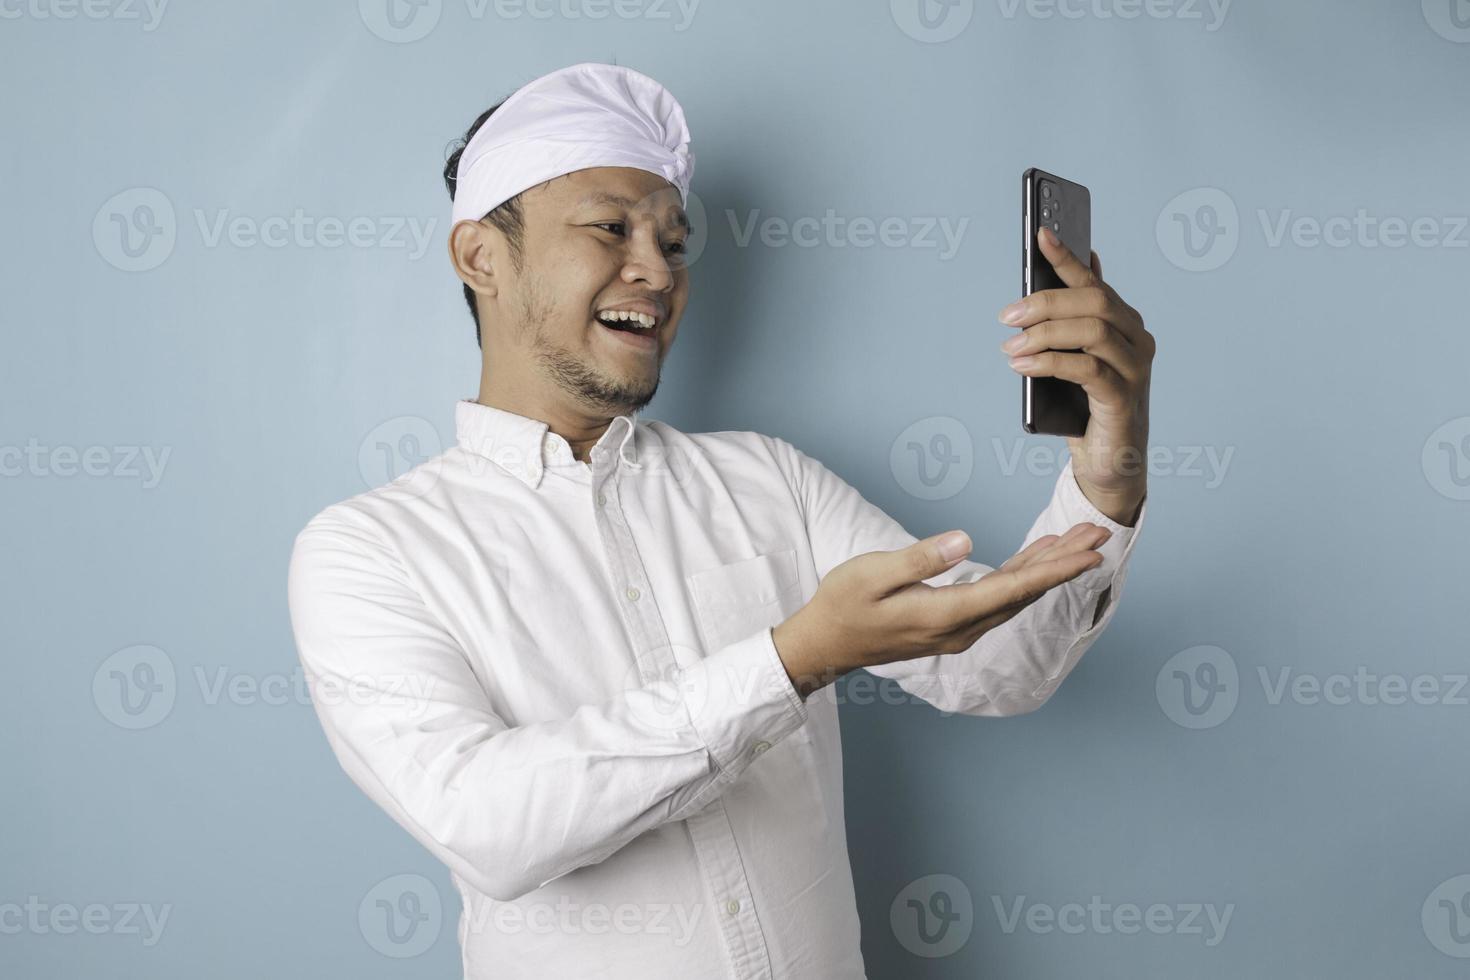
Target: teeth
640,319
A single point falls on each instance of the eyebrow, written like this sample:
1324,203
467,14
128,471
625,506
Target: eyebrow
617,200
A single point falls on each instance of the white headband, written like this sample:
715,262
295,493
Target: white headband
587,115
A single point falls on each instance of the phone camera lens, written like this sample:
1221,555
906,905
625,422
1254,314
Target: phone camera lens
1046,192
1046,214
1056,226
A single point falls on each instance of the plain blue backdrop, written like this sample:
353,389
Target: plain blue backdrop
218,320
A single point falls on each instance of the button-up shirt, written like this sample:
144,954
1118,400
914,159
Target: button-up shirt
559,677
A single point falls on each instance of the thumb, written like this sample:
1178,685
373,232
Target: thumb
927,558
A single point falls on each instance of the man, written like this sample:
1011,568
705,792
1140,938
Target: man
597,651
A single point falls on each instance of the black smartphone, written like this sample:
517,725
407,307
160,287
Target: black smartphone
1050,405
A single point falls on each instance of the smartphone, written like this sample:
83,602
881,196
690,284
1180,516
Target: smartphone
1052,406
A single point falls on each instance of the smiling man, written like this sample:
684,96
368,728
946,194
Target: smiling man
592,656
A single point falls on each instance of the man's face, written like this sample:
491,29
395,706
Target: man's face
596,241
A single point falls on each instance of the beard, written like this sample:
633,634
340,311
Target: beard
577,373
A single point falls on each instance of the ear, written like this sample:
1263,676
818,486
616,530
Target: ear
474,251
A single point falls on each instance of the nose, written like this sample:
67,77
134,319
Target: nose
646,261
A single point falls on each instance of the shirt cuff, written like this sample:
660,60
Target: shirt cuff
1072,507
741,701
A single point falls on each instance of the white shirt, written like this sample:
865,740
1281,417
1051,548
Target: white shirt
573,699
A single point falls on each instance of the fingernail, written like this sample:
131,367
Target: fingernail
1014,345
1023,363
1050,236
1014,313
953,545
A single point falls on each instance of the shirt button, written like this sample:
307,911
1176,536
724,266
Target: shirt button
732,906
633,594
601,499
761,746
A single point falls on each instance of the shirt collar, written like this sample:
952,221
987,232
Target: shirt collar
524,446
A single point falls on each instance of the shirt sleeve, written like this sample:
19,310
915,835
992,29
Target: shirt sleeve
509,808
1015,667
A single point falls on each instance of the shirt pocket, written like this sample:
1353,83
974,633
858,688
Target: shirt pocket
735,600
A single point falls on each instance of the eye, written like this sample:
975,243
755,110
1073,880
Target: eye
616,228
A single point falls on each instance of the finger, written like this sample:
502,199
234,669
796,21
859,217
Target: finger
1100,380
1083,301
1080,537
1008,589
1096,265
1068,267
1026,554
1088,334
891,571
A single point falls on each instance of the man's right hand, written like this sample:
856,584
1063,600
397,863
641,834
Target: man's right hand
876,608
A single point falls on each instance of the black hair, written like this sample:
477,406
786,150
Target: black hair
508,217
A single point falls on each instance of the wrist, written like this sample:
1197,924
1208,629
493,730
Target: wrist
1121,504
805,669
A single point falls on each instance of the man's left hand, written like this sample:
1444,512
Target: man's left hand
1087,334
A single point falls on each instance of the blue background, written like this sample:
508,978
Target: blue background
1332,542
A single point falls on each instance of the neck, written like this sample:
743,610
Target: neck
578,425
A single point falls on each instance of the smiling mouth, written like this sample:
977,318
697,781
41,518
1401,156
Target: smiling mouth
630,334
